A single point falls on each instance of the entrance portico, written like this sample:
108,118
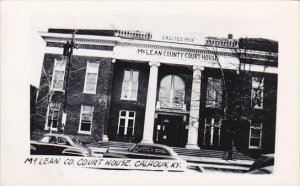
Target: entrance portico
167,117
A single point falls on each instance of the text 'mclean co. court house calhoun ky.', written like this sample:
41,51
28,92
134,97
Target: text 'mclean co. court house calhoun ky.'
135,86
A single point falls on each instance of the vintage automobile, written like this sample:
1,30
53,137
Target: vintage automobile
149,151
264,164
58,144
143,151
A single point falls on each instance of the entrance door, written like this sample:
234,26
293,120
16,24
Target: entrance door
170,130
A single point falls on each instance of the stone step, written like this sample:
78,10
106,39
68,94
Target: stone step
180,151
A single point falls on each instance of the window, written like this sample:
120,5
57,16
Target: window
142,149
58,75
257,92
86,118
61,141
52,116
91,76
48,139
172,89
130,85
212,131
214,92
160,151
126,123
255,135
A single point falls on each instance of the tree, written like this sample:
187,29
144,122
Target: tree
240,99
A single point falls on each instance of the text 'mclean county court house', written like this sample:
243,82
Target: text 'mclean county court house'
134,86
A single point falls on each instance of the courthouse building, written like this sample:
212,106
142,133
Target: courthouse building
134,86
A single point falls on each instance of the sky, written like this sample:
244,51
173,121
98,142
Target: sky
206,18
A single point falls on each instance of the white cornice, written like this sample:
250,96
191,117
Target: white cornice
117,41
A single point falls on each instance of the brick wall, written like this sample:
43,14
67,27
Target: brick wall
75,95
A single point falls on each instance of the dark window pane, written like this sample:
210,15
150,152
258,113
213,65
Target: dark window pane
122,122
62,141
85,126
144,149
254,142
130,123
123,113
121,130
131,114
54,125
160,151
129,131
255,133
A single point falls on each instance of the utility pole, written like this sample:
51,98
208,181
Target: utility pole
68,53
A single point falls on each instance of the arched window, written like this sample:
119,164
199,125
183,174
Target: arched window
172,90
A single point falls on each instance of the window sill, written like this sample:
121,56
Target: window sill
253,147
84,132
125,99
92,93
53,129
57,90
209,106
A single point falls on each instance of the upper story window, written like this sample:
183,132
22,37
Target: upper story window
86,119
130,85
214,92
126,123
52,116
172,89
91,77
257,92
58,76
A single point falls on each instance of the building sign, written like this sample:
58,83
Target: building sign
186,38
177,54
178,39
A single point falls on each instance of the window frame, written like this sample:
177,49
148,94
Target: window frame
47,117
80,121
256,86
91,71
130,85
260,135
214,100
127,118
172,90
55,68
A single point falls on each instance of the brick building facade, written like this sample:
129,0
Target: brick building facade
136,86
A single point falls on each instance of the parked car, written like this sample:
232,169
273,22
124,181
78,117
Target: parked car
144,151
58,144
263,165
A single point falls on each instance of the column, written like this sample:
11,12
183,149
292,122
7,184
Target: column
150,105
195,107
